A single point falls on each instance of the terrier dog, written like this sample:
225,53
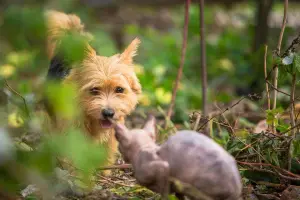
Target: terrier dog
108,87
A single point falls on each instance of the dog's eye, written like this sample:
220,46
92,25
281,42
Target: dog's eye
94,91
119,90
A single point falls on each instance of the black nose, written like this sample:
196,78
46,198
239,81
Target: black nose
108,113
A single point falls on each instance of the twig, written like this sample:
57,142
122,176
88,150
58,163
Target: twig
267,196
278,52
189,190
203,63
273,87
182,58
288,130
18,94
292,47
293,123
269,165
115,182
197,122
275,185
265,70
123,166
222,112
226,120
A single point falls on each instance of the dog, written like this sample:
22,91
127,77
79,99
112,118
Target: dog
107,87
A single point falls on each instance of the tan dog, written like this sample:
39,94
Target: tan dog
107,86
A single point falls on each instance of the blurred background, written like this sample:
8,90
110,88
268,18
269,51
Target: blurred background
236,32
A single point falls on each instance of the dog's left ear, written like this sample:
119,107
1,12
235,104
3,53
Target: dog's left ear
127,56
149,127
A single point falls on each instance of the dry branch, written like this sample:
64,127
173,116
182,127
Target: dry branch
265,70
18,94
278,52
182,58
219,114
293,123
203,63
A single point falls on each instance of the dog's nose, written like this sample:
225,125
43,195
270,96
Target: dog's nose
108,113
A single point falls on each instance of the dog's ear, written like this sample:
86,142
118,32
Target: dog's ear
127,56
149,127
122,133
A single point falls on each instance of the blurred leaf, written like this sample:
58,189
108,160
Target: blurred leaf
223,97
245,122
19,59
139,69
226,64
73,47
80,150
296,147
7,70
24,27
15,120
144,99
23,146
172,197
62,99
243,133
163,96
272,116
296,62
282,127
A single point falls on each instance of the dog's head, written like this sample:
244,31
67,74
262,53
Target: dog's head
108,86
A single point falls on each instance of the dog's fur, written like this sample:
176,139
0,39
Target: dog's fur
97,79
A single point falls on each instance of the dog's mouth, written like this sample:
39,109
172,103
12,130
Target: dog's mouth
105,123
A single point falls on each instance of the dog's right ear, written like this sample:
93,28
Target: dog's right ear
122,133
127,56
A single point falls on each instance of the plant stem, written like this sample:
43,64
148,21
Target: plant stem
182,58
203,64
293,123
267,85
278,52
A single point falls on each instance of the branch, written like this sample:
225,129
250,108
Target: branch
278,52
273,87
189,190
123,166
203,63
293,123
269,165
292,47
221,112
265,70
18,94
182,58
291,128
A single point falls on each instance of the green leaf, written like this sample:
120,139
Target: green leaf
83,153
272,116
296,147
73,47
296,62
62,99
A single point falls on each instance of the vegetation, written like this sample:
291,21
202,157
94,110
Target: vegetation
268,157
